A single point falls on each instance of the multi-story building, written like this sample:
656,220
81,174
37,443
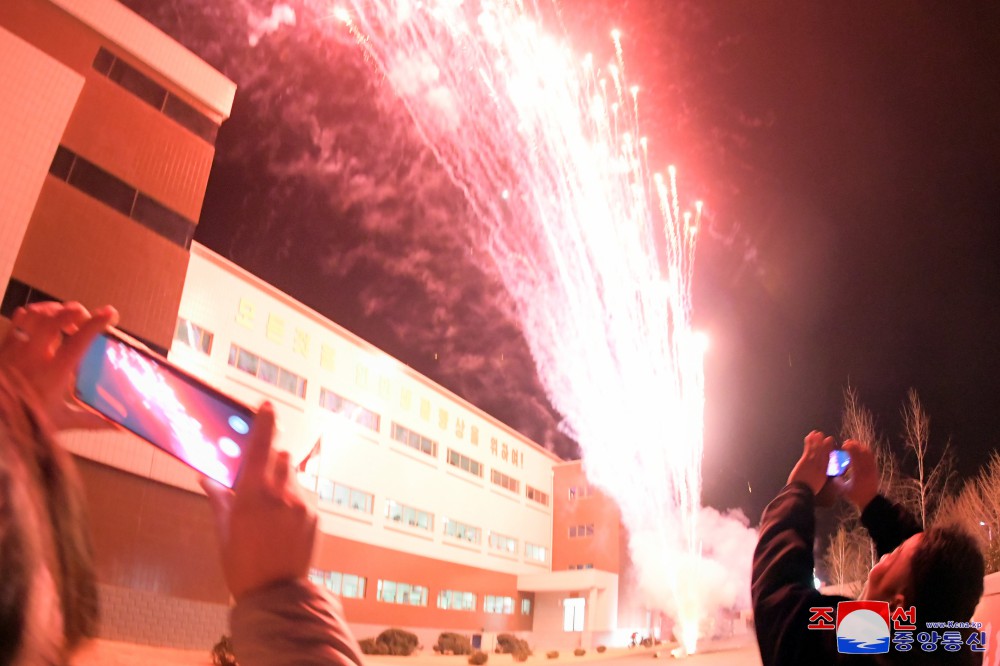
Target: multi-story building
433,515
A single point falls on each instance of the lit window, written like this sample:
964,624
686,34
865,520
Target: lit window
536,495
465,463
193,336
505,481
352,411
461,531
400,513
414,440
266,371
455,600
345,585
498,605
391,592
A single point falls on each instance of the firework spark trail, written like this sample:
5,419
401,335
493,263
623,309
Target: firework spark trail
590,243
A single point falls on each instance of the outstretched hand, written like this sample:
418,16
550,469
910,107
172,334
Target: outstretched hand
45,345
266,530
861,483
811,467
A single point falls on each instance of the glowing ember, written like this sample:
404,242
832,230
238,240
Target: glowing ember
589,241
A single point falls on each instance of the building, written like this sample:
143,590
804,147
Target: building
434,515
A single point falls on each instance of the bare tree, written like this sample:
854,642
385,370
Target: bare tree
857,422
847,558
925,490
976,508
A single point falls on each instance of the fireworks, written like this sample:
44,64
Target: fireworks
590,242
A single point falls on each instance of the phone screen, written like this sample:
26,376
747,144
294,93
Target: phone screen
839,460
175,412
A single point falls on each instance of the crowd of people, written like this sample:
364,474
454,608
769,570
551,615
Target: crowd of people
48,587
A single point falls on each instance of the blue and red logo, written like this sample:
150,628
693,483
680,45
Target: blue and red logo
863,627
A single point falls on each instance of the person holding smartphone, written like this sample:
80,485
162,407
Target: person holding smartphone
48,589
939,572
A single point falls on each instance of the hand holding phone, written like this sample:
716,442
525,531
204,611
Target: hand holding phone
174,411
839,462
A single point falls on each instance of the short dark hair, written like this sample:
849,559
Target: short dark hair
947,573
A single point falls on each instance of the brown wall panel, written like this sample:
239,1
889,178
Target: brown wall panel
76,248
51,30
132,140
601,549
152,537
336,554
110,126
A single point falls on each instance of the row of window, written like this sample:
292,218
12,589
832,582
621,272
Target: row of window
267,371
504,481
465,463
536,495
578,531
201,339
359,500
392,592
581,566
349,409
155,95
579,492
193,336
414,440
115,193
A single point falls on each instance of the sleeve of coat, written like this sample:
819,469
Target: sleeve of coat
294,622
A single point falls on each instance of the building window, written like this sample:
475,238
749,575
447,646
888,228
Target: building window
401,593
345,585
536,495
110,190
352,411
400,513
580,531
505,481
498,605
526,606
266,371
455,600
414,440
579,492
533,552
465,463
461,531
158,97
193,336
503,543
345,496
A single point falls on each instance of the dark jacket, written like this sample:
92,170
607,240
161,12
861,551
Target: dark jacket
783,592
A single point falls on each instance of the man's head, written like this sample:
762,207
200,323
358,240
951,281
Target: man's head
939,571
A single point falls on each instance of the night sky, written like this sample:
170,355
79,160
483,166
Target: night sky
848,154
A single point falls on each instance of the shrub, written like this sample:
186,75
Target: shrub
222,652
478,658
453,643
579,652
552,654
511,644
602,648
647,642
521,654
397,642
368,646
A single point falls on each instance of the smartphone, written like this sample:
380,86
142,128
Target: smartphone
167,407
839,460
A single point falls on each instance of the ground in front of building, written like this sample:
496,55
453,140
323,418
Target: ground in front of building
112,653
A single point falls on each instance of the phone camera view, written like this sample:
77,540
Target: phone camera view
839,460
172,411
